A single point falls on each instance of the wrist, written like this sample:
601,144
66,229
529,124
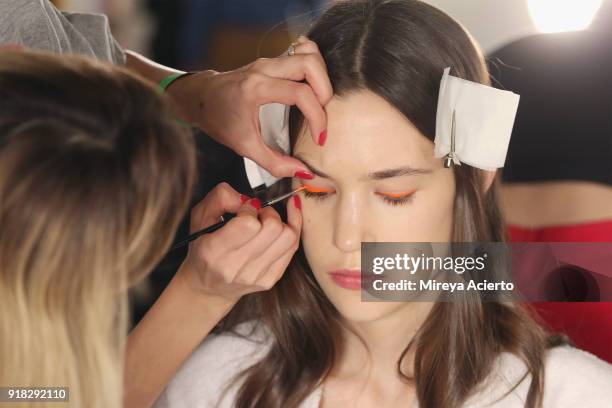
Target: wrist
170,79
188,90
187,281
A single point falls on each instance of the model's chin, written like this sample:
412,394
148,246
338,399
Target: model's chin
350,306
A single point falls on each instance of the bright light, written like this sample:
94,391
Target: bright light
552,16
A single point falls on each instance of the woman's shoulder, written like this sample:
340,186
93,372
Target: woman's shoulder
573,378
576,378
203,378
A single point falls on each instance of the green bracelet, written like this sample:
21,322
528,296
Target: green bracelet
165,83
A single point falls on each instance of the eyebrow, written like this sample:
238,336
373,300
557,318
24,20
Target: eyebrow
377,175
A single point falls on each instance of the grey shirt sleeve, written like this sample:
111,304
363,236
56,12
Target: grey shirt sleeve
38,24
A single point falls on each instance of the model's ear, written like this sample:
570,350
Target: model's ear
488,177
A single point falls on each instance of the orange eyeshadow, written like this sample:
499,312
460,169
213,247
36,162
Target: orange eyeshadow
313,189
397,195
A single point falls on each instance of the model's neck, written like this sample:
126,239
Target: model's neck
378,345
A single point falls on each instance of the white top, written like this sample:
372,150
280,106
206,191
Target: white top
574,378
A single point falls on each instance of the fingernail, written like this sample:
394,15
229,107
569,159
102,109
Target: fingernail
255,203
322,137
304,175
297,202
244,199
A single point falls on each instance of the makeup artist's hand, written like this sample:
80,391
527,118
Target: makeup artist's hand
226,105
249,253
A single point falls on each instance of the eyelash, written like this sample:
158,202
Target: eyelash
391,201
398,201
316,196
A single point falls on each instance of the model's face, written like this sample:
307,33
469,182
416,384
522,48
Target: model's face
376,180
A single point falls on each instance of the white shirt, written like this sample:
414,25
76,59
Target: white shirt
574,378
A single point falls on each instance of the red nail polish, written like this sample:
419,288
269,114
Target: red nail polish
244,199
305,175
297,202
322,137
256,203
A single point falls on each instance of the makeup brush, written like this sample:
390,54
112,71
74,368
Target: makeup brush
228,216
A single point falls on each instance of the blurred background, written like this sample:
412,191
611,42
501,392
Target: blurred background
557,54
224,34
192,34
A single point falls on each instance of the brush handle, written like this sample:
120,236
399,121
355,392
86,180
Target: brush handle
226,218
207,230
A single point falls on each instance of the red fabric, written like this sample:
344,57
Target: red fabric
588,324
589,232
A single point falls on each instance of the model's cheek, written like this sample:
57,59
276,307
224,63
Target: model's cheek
442,214
316,221
316,252
445,222
434,221
384,225
410,222
318,210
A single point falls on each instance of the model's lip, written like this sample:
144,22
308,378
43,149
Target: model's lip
348,272
351,279
352,273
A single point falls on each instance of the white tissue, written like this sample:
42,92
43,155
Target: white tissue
274,125
484,117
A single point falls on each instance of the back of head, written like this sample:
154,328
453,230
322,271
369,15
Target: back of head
95,175
564,81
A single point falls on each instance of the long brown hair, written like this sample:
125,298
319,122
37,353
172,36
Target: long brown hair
397,49
95,175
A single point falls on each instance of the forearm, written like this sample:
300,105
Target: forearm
171,330
186,96
146,68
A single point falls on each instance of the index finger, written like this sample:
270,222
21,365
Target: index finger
300,66
221,199
238,231
294,215
295,93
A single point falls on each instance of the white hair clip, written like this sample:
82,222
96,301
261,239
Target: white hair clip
473,123
274,125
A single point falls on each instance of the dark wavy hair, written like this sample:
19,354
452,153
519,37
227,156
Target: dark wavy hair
397,49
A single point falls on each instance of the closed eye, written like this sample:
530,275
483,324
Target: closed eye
389,198
397,198
312,189
316,195
316,192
